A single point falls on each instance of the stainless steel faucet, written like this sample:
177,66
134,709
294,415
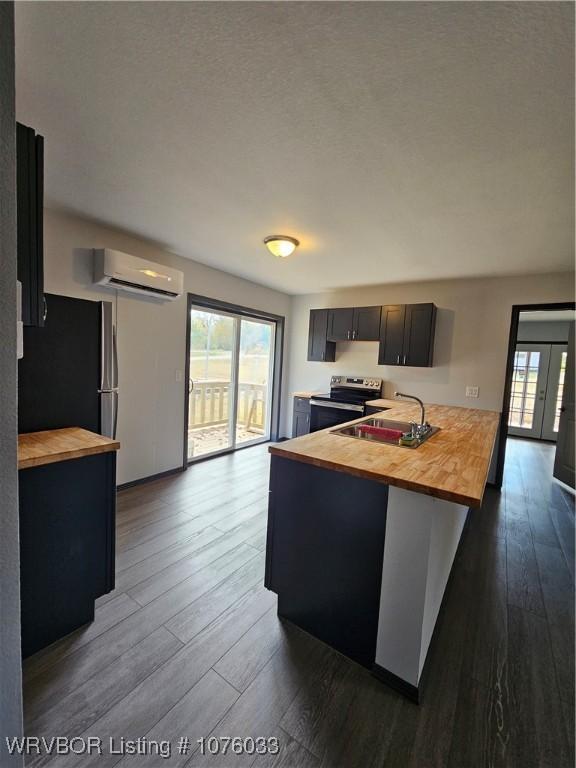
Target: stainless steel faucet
417,429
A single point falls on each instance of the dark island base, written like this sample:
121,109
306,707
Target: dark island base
67,551
324,552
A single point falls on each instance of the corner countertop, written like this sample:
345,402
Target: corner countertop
52,445
306,394
451,465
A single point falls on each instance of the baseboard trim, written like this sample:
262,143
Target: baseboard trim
149,478
408,690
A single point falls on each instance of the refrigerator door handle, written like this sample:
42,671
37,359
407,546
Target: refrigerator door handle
114,359
106,347
115,424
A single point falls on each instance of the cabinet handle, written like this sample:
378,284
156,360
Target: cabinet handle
348,335
353,334
398,360
404,360
322,355
45,310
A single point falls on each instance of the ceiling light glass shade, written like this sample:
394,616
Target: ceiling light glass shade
281,245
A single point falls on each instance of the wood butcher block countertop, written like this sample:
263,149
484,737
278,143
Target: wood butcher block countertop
453,464
52,445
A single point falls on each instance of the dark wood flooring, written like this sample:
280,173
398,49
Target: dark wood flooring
189,644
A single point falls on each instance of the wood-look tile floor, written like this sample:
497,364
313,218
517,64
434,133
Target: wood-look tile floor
189,644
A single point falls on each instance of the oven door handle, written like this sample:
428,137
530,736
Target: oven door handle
340,406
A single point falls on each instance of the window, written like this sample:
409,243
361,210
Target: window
524,383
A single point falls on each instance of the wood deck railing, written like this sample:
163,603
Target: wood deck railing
209,403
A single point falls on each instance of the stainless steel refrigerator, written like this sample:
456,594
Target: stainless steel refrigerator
68,376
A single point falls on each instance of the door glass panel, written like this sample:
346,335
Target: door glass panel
211,402
255,360
560,391
524,382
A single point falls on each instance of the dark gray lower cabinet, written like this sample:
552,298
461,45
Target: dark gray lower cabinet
67,549
301,416
324,552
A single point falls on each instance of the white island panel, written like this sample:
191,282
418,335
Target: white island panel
422,536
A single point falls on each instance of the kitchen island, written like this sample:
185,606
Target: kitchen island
362,535
67,490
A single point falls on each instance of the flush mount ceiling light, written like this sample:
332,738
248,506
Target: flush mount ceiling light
281,245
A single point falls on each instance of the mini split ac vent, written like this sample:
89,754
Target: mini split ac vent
129,273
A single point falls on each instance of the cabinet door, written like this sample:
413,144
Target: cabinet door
419,334
366,324
302,404
300,423
340,324
391,350
319,349
67,539
30,214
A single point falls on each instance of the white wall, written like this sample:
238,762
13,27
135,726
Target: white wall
10,655
151,335
472,329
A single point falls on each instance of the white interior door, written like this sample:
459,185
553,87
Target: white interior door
564,464
528,393
554,391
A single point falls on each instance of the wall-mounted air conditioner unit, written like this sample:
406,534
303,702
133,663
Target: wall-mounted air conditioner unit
129,273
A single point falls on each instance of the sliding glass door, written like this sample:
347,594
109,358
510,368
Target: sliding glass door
254,377
230,383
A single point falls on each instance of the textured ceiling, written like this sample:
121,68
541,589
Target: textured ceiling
397,141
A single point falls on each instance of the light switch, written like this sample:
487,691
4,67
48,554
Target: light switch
178,375
472,391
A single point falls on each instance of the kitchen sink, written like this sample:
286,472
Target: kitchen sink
384,431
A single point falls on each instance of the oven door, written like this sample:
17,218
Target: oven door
324,414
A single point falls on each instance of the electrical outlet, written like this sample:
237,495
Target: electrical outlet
472,391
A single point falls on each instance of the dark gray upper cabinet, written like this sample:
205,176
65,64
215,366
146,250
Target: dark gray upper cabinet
354,324
407,334
419,326
392,335
319,348
30,218
340,324
367,323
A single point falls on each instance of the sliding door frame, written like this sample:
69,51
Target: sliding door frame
216,305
